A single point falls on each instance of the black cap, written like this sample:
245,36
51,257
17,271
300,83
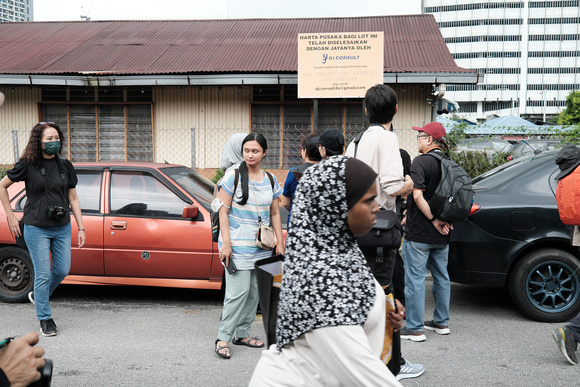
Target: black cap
330,139
567,159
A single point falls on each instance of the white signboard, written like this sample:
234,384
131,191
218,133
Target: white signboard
339,65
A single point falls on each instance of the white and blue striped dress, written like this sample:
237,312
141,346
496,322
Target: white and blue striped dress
244,219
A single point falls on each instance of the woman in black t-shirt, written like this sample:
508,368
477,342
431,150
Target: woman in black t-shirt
50,188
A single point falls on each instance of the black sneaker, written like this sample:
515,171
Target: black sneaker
566,343
48,328
31,297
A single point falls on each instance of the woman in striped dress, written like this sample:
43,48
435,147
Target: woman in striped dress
256,196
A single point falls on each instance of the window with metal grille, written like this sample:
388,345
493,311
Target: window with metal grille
104,132
102,123
285,125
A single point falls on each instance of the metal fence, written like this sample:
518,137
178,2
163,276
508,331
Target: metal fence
198,148
283,145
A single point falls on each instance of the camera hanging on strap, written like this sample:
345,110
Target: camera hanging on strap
57,212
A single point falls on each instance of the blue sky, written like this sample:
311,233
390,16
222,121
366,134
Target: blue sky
64,10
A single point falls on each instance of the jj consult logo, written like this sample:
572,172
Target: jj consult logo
326,57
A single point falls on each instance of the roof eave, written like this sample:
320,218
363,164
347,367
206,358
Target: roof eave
217,79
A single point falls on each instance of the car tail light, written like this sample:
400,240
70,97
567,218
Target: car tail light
474,208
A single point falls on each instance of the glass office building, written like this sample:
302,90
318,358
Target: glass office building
529,52
15,10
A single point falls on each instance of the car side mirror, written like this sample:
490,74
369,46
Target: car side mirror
190,212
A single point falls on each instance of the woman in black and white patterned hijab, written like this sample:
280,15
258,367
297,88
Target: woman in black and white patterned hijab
331,314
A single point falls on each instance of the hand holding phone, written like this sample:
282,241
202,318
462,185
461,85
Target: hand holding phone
230,267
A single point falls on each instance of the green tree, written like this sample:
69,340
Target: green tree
3,170
456,134
474,162
477,162
571,115
218,175
569,134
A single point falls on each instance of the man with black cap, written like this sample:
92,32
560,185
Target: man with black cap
568,336
426,240
330,143
311,156
378,147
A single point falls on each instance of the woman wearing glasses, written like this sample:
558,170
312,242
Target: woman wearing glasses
50,194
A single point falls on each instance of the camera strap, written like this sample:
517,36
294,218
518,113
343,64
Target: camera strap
62,176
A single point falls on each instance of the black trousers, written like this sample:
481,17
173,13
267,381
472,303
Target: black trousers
382,264
399,278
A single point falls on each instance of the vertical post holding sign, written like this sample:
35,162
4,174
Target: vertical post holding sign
339,64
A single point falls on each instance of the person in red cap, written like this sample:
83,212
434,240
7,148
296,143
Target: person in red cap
426,240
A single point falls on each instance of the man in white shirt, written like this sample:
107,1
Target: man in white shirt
379,148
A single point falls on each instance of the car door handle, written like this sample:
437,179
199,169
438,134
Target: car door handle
118,225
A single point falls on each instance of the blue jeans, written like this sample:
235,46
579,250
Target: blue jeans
416,256
41,242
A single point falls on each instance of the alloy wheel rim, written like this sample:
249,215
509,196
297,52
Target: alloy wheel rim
552,286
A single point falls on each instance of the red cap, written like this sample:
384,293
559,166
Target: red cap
435,130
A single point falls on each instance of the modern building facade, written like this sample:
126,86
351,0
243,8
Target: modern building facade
16,10
529,52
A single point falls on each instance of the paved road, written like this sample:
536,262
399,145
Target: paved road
132,336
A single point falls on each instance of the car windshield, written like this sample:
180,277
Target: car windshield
194,183
493,177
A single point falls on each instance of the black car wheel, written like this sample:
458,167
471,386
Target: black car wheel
16,274
545,285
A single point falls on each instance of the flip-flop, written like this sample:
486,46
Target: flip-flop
218,349
238,341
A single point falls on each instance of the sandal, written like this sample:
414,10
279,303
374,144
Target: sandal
238,341
218,349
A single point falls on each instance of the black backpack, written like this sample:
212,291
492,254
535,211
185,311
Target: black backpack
453,196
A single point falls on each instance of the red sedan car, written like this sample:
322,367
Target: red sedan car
146,224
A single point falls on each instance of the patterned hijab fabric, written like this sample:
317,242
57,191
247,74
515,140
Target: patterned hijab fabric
326,281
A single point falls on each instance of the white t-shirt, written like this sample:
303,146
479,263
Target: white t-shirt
379,149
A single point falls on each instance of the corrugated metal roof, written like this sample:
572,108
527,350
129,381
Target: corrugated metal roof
509,121
509,124
413,44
